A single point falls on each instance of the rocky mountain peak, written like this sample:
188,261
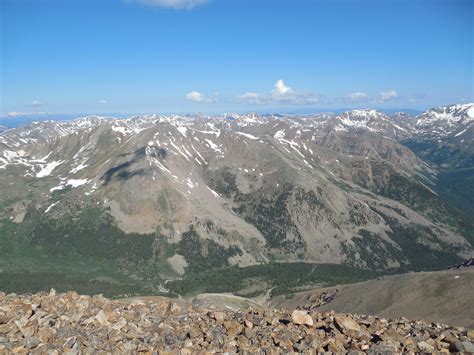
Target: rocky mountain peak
449,115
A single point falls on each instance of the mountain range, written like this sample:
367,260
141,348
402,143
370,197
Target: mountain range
155,200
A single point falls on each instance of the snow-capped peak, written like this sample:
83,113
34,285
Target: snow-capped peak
448,114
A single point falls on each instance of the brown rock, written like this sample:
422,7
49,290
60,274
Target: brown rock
463,347
320,325
391,335
233,327
470,334
385,347
31,342
256,320
335,346
59,323
175,309
101,318
424,346
301,317
346,324
218,316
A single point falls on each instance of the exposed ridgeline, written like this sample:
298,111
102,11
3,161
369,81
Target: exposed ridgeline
50,322
131,203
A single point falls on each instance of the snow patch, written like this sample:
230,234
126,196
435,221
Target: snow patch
79,167
213,145
60,187
51,206
122,130
213,192
76,182
48,168
458,134
470,111
182,130
280,134
246,135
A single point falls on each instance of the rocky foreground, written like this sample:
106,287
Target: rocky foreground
56,323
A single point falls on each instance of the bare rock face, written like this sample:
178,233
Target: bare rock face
60,323
19,211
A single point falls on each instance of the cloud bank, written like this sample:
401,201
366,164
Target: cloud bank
14,114
172,4
281,94
358,97
388,95
196,96
362,97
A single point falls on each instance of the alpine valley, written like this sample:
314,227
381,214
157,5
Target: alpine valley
239,203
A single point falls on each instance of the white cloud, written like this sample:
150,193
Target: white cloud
358,97
15,114
280,89
251,98
388,95
173,4
36,103
103,102
196,96
281,94
21,114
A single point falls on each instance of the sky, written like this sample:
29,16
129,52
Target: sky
178,56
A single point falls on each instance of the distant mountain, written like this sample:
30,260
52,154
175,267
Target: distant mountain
442,121
14,120
150,198
444,137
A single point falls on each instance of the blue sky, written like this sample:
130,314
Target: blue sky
141,56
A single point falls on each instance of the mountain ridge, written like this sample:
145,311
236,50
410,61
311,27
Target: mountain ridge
240,189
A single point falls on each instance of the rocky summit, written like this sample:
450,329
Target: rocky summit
69,322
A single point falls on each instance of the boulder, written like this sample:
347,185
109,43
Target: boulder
301,317
346,324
